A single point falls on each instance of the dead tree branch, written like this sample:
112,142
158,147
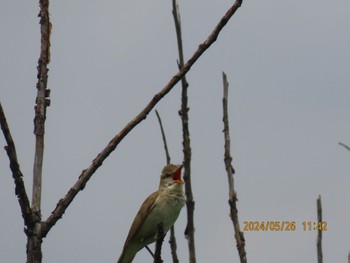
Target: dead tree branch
17,175
42,101
159,242
230,171
86,174
319,232
190,204
34,253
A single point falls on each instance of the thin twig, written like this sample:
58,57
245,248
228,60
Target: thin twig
164,138
172,239
173,245
190,204
159,242
344,145
319,232
97,162
230,172
16,171
149,251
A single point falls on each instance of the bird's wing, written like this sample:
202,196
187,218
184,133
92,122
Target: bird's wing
146,206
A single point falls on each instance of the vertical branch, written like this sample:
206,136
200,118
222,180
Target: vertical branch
230,171
189,232
319,232
35,237
42,102
172,239
173,245
159,242
16,171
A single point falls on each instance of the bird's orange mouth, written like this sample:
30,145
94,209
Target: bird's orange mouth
177,176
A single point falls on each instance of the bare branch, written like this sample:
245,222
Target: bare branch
159,242
97,162
230,171
42,101
344,145
173,245
319,232
34,252
190,204
16,171
177,21
164,138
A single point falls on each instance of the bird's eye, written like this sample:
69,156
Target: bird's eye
167,175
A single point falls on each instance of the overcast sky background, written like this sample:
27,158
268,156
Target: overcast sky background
288,66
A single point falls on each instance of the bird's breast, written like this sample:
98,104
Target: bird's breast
167,209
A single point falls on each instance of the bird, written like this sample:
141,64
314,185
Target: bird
162,206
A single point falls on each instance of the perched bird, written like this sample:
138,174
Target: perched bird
163,206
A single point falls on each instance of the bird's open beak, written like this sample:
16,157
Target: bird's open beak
177,175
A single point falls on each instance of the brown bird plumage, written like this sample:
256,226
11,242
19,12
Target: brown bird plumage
163,206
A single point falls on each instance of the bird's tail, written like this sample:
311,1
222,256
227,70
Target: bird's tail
127,255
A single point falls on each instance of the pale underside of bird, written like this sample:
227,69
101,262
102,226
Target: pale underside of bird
162,206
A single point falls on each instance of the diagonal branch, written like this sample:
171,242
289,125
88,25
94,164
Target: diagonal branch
164,138
16,172
97,162
230,171
344,145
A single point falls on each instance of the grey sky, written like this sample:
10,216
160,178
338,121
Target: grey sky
288,67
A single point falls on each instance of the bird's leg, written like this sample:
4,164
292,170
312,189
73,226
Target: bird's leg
149,250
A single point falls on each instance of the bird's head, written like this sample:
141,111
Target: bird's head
171,174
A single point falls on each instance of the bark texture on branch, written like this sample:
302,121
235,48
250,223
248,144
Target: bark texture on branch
34,253
42,101
17,175
230,172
